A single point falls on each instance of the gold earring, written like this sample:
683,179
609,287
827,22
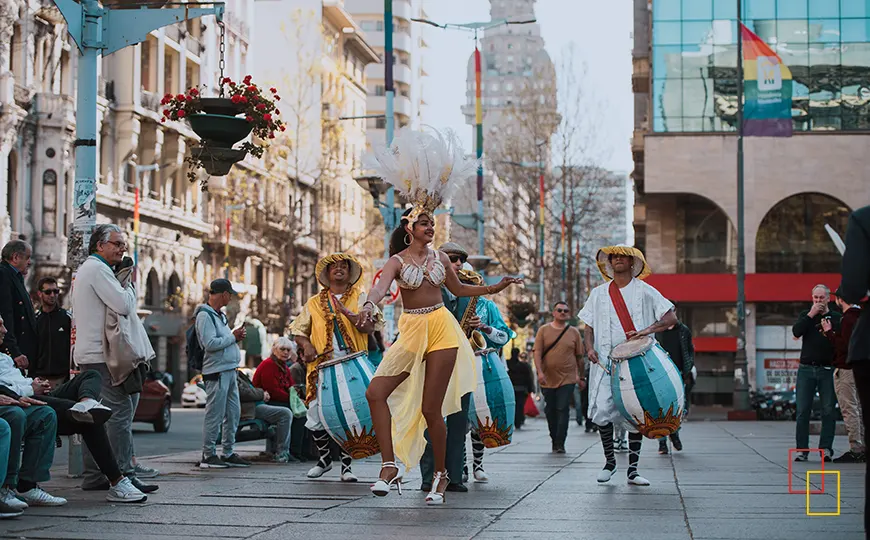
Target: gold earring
408,239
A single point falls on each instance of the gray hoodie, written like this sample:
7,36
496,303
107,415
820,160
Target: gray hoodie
217,340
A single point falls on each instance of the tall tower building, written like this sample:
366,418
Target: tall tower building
408,66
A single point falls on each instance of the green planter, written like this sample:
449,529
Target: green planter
217,161
222,106
219,130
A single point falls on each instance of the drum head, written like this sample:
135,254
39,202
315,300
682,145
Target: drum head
630,349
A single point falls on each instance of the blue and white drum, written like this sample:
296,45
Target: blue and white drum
341,401
493,406
647,387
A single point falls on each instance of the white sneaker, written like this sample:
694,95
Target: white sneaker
605,475
317,471
481,476
90,411
7,497
638,480
39,497
348,477
125,492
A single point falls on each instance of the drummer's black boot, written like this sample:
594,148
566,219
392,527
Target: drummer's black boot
477,447
346,474
324,464
606,433
634,443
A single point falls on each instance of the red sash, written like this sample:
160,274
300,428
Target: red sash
621,309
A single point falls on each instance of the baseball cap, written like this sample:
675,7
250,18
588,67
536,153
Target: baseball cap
220,286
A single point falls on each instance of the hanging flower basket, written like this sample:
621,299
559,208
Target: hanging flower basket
223,122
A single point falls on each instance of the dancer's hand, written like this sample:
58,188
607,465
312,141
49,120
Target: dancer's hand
506,282
308,353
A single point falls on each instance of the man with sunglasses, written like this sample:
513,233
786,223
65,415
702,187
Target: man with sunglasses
559,362
53,324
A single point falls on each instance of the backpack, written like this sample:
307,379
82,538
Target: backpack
195,351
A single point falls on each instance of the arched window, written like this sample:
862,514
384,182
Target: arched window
792,236
174,294
705,237
152,289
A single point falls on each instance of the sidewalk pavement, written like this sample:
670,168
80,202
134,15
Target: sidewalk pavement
730,482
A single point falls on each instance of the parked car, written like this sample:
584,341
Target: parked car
193,394
155,403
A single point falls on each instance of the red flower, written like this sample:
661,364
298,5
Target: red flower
235,99
282,128
181,113
163,119
227,80
193,92
261,107
249,118
180,97
247,79
271,135
277,111
277,98
273,90
243,99
252,88
167,96
165,112
267,117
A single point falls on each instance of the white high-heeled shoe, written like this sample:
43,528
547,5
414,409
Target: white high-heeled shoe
435,497
382,488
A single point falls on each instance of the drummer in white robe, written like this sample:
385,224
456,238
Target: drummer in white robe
649,311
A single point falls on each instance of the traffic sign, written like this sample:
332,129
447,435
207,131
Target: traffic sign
393,294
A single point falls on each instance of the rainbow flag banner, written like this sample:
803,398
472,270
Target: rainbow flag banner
767,89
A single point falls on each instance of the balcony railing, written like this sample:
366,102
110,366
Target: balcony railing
150,101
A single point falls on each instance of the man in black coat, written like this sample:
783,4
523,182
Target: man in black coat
854,287
22,341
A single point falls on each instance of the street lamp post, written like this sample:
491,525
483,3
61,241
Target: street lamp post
475,27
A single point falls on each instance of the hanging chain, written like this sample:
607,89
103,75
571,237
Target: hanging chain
222,63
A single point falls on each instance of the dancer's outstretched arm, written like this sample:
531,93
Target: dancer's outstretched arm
458,288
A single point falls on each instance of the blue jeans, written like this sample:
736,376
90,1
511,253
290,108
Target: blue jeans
36,428
5,445
557,403
222,407
809,379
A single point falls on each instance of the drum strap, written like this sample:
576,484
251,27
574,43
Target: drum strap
621,308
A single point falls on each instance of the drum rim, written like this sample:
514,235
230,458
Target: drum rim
646,348
336,361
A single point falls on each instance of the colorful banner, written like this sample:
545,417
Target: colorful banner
767,89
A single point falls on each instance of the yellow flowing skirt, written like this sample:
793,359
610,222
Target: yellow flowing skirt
420,335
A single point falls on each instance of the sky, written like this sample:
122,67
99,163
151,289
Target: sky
600,35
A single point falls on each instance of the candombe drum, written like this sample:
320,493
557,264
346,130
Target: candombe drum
493,405
342,384
647,387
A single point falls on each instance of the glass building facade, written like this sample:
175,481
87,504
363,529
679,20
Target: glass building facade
825,44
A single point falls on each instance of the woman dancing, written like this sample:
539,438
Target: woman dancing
425,373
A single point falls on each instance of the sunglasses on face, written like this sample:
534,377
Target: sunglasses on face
51,291
561,310
456,258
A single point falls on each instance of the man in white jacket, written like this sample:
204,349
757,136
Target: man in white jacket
96,288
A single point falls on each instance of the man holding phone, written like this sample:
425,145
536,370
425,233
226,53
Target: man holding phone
222,357
816,372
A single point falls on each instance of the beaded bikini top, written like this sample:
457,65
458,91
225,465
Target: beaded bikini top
411,274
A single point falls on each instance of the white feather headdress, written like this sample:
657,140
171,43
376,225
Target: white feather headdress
426,167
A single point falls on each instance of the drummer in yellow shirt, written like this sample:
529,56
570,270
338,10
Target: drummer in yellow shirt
323,332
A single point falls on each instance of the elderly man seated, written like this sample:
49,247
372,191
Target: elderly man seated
254,406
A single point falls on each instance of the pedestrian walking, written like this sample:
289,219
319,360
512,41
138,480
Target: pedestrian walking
559,359
222,357
520,373
97,291
677,341
54,326
854,287
844,379
816,373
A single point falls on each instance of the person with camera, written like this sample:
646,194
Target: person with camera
816,372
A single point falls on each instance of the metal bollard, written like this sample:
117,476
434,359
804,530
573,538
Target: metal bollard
75,467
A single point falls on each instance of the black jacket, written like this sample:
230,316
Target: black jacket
816,349
54,344
856,280
17,312
678,343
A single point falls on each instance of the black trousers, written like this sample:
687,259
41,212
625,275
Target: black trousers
457,428
557,408
861,370
520,397
87,384
93,435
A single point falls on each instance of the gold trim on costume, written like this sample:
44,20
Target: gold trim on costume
425,310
